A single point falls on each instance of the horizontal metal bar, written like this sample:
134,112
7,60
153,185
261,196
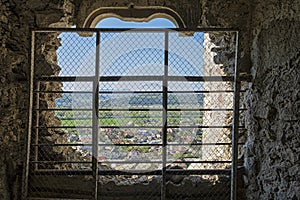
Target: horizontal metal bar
130,162
139,78
65,78
101,145
129,78
47,198
134,172
139,92
58,145
130,92
200,91
60,162
198,126
78,119
63,109
134,127
131,109
130,144
204,127
202,161
66,127
139,109
46,172
201,109
169,109
201,144
204,91
134,144
217,29
64,92
200,78
100,126
168,162
246,78
198,172
174,91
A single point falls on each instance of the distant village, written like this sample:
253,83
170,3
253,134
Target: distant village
112,148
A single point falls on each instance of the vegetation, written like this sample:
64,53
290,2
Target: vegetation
83,118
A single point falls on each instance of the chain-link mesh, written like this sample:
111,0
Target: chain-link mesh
131,115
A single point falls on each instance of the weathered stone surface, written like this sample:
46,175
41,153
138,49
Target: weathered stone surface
273,121
270,28
17,17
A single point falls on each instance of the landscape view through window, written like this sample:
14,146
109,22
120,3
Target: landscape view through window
132,112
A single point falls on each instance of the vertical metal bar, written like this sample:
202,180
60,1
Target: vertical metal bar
37,121
95,117
165,115
29,126
235,125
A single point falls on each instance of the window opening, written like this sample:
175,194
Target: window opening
142,107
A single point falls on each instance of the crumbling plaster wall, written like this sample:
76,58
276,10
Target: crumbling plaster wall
270,28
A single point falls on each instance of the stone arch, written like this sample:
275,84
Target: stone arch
132,13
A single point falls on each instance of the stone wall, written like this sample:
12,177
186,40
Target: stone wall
13,91
269,36
273,120
17,17
216,63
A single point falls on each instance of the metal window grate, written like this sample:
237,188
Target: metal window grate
131,112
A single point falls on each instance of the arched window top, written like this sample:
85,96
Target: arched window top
131,13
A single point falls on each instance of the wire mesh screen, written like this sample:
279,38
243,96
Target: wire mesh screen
130,114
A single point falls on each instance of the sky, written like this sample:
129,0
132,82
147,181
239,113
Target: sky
130,53
117,23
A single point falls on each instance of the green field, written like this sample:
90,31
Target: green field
110,118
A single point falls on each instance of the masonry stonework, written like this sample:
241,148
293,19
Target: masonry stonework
269,47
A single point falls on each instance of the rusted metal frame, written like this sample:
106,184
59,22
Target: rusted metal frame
235,125
30,117
95,117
